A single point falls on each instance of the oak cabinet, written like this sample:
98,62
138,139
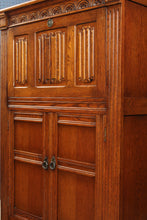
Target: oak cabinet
70,103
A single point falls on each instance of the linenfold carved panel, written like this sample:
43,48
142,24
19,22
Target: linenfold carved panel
50,58
85,54
20,61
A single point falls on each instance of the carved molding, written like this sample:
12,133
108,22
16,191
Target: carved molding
3,21
113,56
56,10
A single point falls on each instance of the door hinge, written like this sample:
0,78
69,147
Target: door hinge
105,134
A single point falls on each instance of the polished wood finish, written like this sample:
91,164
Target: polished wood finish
135,177
73,94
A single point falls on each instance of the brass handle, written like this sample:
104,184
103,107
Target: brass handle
45,164
53,163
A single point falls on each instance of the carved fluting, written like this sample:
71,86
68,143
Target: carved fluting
20,61
56,10
113,54
86,54
50,61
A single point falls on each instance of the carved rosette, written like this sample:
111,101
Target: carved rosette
56,10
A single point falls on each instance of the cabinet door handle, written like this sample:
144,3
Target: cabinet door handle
53,163
45,164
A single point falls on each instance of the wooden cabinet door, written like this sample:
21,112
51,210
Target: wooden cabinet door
28,182
69,188
74,183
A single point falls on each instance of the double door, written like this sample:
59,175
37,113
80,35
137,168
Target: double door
53,165
57,117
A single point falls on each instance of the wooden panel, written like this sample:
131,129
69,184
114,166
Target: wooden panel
28,136
135,77
50,57
27,197
143,2
76,171
86,54
75,197
20,61
134,166
4,128
54,56
135,106
76,141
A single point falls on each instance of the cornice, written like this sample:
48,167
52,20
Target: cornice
3,21
62,8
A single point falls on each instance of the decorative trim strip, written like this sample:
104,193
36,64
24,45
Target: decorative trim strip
28,119
57,10
26,160
77,123
76,171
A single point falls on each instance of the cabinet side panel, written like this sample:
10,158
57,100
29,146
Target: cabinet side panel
134,168
135,70
4,126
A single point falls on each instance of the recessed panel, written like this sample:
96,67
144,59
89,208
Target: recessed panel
28,188
51,57
20,58
77,143
86,54
75,197
28,136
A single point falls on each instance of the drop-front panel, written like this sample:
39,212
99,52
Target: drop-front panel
61,60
